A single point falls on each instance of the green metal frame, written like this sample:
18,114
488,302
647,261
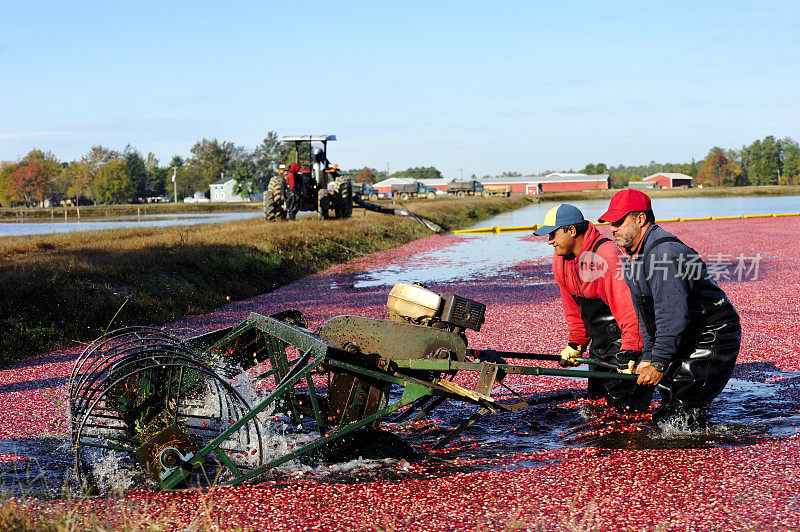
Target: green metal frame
318,355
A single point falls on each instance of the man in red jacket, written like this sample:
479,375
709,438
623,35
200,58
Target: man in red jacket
292,190
597,303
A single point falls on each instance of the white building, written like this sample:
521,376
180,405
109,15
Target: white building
222,190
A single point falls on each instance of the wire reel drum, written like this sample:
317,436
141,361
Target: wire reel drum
145,396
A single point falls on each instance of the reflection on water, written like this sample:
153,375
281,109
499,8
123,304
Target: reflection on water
467,257
147,220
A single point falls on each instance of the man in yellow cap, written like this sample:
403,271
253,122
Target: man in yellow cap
597,303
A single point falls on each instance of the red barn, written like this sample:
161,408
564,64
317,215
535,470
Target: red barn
670,180
556,182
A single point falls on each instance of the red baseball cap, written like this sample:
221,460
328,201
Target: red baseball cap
625,201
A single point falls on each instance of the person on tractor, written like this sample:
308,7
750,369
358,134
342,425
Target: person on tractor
291,191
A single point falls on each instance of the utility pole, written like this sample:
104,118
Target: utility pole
387,170
175,183
461,174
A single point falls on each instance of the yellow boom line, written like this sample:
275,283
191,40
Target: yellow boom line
535,227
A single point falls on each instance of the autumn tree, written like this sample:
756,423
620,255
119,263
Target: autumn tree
113,183
80,180
718,169
55,186
81,175
58,186
6,168
28,184
365,175
37,178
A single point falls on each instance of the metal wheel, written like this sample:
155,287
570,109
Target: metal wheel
431,195
460,194
140,400
404,196
274,204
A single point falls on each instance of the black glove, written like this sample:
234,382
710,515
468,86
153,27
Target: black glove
624,359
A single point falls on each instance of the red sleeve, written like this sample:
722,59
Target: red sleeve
617,295
572,312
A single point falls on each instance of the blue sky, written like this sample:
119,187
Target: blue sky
483,87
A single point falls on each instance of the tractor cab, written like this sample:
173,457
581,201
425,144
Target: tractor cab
313,159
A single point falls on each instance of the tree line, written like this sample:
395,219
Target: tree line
108,176
104,175
768,161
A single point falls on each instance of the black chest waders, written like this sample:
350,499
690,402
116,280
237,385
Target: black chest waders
707,350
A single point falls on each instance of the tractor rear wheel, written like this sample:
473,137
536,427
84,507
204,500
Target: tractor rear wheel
342,197
274,205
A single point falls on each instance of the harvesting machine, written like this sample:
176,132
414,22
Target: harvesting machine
178,412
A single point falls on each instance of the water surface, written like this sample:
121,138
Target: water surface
147,220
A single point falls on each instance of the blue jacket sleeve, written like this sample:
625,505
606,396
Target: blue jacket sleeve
670,289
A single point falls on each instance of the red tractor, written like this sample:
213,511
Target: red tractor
322,188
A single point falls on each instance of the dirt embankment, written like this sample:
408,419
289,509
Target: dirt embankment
58,291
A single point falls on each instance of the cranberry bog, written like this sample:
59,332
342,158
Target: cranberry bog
565,466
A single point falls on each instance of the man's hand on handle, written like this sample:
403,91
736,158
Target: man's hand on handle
648,375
